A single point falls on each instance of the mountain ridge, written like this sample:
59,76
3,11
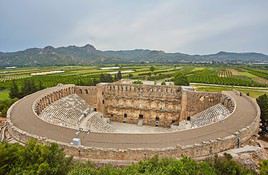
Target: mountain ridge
88,54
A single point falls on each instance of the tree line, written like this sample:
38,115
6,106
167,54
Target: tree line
110,78
29,86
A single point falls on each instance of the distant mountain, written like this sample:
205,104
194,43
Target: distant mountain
88,54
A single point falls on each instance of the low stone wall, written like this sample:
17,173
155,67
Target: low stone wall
206,148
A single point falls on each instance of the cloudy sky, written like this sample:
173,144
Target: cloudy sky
189,26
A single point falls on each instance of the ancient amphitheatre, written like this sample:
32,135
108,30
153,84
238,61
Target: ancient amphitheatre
122,121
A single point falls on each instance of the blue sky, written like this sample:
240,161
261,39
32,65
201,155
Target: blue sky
188,26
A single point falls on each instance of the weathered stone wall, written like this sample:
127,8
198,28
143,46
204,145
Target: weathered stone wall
156,105
195,102
129,103
228,102
88,93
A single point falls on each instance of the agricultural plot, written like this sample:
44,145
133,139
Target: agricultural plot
225,73
85,75
4,78
253,92
218,76
258,75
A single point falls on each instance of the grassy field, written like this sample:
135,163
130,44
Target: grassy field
4,95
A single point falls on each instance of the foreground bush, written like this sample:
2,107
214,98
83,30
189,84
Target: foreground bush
39,159
264,167
33,159
4,105
156,166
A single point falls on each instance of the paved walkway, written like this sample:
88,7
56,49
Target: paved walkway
23,117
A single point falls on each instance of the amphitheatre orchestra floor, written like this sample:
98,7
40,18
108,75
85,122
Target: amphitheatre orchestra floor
24,118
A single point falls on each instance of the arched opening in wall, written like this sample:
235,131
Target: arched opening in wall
125,118
80,91
102,101
140,121
95,109
86,91
156,121
188,118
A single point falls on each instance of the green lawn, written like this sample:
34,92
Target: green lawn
4,95
247,74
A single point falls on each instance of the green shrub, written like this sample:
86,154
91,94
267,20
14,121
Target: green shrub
137,82
264,167
33,158
181,80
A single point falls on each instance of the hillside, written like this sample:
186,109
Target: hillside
88,54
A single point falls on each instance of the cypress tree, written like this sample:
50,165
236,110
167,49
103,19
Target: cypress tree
263,103
119,75
14,90
40,85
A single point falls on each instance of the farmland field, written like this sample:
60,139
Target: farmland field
253,92
227,76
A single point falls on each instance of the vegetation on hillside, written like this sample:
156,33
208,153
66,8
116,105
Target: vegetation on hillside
38,159
15,93
4,105
169,166
88,54
33,159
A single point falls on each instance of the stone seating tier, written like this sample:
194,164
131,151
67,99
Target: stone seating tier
213,114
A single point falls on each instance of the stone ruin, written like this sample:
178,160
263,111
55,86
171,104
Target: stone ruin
88,108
